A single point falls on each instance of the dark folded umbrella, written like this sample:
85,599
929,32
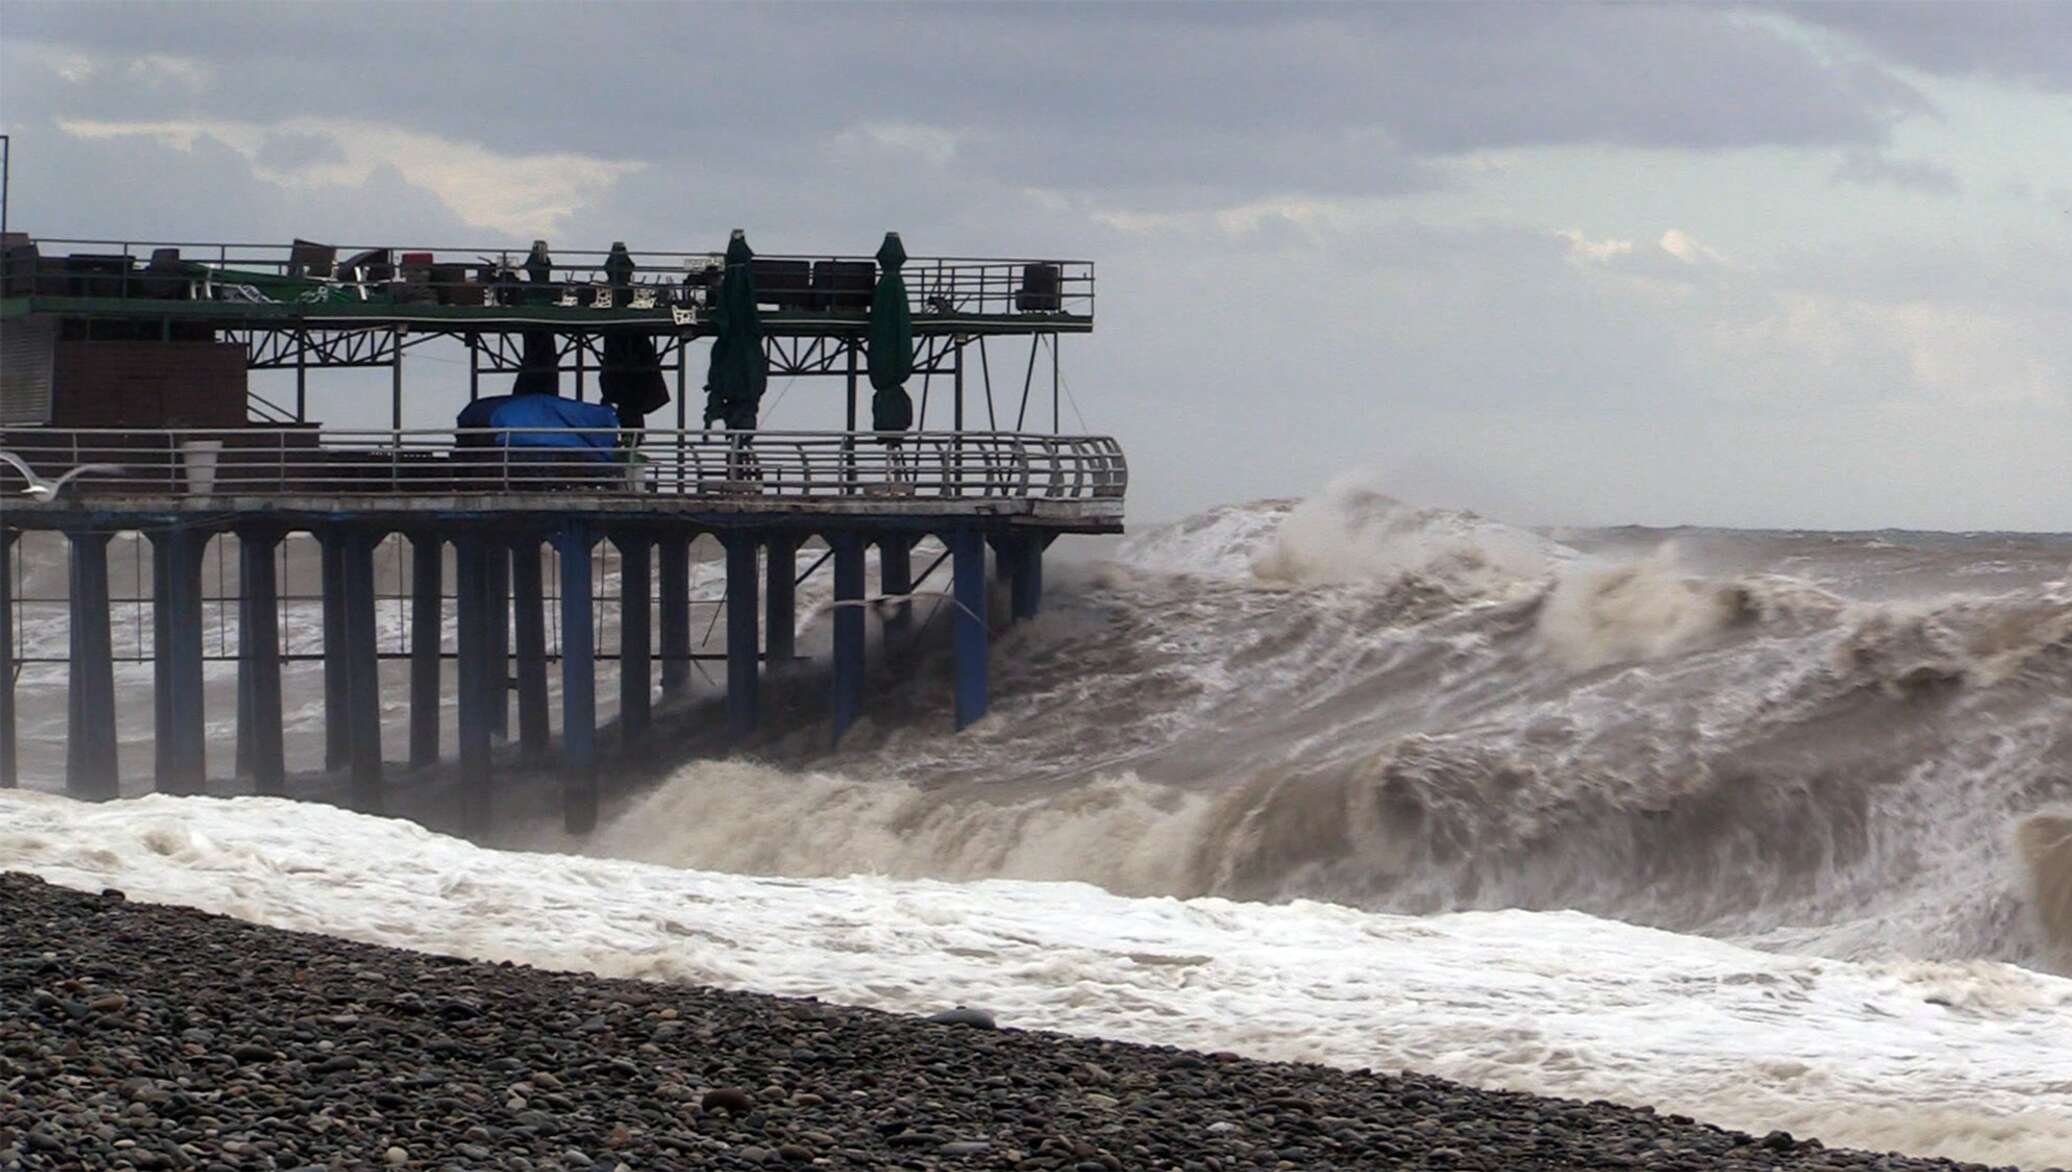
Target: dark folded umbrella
891,342
618,271
631,379
539,367
739,372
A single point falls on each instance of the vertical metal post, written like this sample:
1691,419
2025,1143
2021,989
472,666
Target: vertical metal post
176,594
780,611
396,382
363,678
582,361
578,682
849,440
90,760
848,631
744,681
1056,425
301,376
528,600
896,577
968,624
10,775
675,556
427,628
636,637
682,404
497,581
849,351
471,567
957,446
337,715
474,365
259,662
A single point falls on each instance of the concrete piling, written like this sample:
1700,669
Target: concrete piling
259,662
90,746
744,683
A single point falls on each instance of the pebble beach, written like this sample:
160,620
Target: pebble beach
151,1037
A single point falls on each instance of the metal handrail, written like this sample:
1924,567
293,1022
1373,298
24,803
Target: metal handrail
664,279
796,465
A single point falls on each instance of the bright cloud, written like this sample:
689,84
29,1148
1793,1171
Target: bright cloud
1687,249
523,195
1581,247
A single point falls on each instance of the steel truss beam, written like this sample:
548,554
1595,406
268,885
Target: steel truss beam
289,349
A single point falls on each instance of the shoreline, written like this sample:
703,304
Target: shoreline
131,1029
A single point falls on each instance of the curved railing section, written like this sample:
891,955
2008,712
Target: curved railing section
777,465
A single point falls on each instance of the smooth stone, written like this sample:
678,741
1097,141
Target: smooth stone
964,1016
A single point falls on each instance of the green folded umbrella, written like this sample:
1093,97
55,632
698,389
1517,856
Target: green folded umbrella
891,342
739,372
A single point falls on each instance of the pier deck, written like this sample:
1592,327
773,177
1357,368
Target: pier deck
134,363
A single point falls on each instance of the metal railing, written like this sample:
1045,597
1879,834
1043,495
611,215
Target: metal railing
682,282
308,462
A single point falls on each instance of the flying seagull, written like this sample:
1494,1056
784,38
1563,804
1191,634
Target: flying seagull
44,490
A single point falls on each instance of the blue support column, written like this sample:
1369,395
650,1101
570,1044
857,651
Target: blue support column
427,630
1018,560
259,662
848,631
896,577
90,760
968,623
675,556
528,600
498,583
636,637
176,597
470,592
578,682
10,768
780,604
337,711
363,676
1026,552
744,681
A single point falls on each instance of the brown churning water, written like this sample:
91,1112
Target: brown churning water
1849,744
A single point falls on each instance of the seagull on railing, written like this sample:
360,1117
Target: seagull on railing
43,489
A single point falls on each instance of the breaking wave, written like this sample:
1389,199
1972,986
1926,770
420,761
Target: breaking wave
1418,710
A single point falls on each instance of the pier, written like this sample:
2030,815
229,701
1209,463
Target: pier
133,367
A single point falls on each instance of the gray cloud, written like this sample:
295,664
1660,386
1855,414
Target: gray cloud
1195,102
1856,373
2022,40
287,151
1872,167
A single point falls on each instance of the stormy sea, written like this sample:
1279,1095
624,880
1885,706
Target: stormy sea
1769,828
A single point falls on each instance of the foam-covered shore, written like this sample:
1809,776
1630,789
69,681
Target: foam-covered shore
1958,1060
139,1036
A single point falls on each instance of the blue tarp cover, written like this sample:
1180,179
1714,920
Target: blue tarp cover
549,411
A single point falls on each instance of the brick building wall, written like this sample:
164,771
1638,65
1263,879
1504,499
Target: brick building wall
148,384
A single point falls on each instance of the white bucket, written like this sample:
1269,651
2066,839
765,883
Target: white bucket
200,456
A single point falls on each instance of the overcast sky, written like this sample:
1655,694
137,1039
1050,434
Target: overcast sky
1746,265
